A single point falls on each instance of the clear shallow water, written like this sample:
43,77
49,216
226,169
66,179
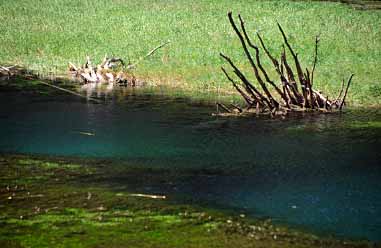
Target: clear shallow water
321,173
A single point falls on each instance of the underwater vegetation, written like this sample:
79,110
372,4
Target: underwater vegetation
52,201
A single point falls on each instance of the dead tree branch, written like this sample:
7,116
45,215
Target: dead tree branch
235,85
271,101
317,39
268,80
288,90
346,92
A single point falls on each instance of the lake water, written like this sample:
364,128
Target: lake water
321,173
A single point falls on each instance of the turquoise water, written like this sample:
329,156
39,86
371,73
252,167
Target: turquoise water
318,172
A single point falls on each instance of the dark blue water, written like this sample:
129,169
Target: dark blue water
318,172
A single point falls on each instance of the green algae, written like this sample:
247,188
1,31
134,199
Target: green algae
334,127
93,227
61,209
48,165
368,124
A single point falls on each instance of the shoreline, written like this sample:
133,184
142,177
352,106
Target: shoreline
209,97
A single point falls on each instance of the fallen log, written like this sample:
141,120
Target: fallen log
291,94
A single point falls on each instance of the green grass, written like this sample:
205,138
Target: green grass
45,35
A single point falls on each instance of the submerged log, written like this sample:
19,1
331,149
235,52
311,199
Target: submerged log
290,95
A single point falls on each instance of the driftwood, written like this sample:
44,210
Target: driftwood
107,72
7,71
111,70
295,91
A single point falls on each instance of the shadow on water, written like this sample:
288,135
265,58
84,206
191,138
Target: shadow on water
320,172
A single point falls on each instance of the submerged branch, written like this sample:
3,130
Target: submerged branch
71,92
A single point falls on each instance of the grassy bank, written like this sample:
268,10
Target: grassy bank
60,202
45,35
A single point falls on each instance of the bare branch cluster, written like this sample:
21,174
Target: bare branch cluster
295,91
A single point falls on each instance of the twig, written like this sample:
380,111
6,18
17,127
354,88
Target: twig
341,91
275,62
71,92
294,55
235,106
132,66
317,39
110,62
149,196
279,68
6,68
319,97
248,86
346,91
308,82
272,102
297,64
223,107
259,63
72,67
245,97
298,99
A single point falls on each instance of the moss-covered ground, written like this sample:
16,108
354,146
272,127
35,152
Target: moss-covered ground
57,202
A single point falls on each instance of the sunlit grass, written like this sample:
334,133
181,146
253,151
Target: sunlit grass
45,35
